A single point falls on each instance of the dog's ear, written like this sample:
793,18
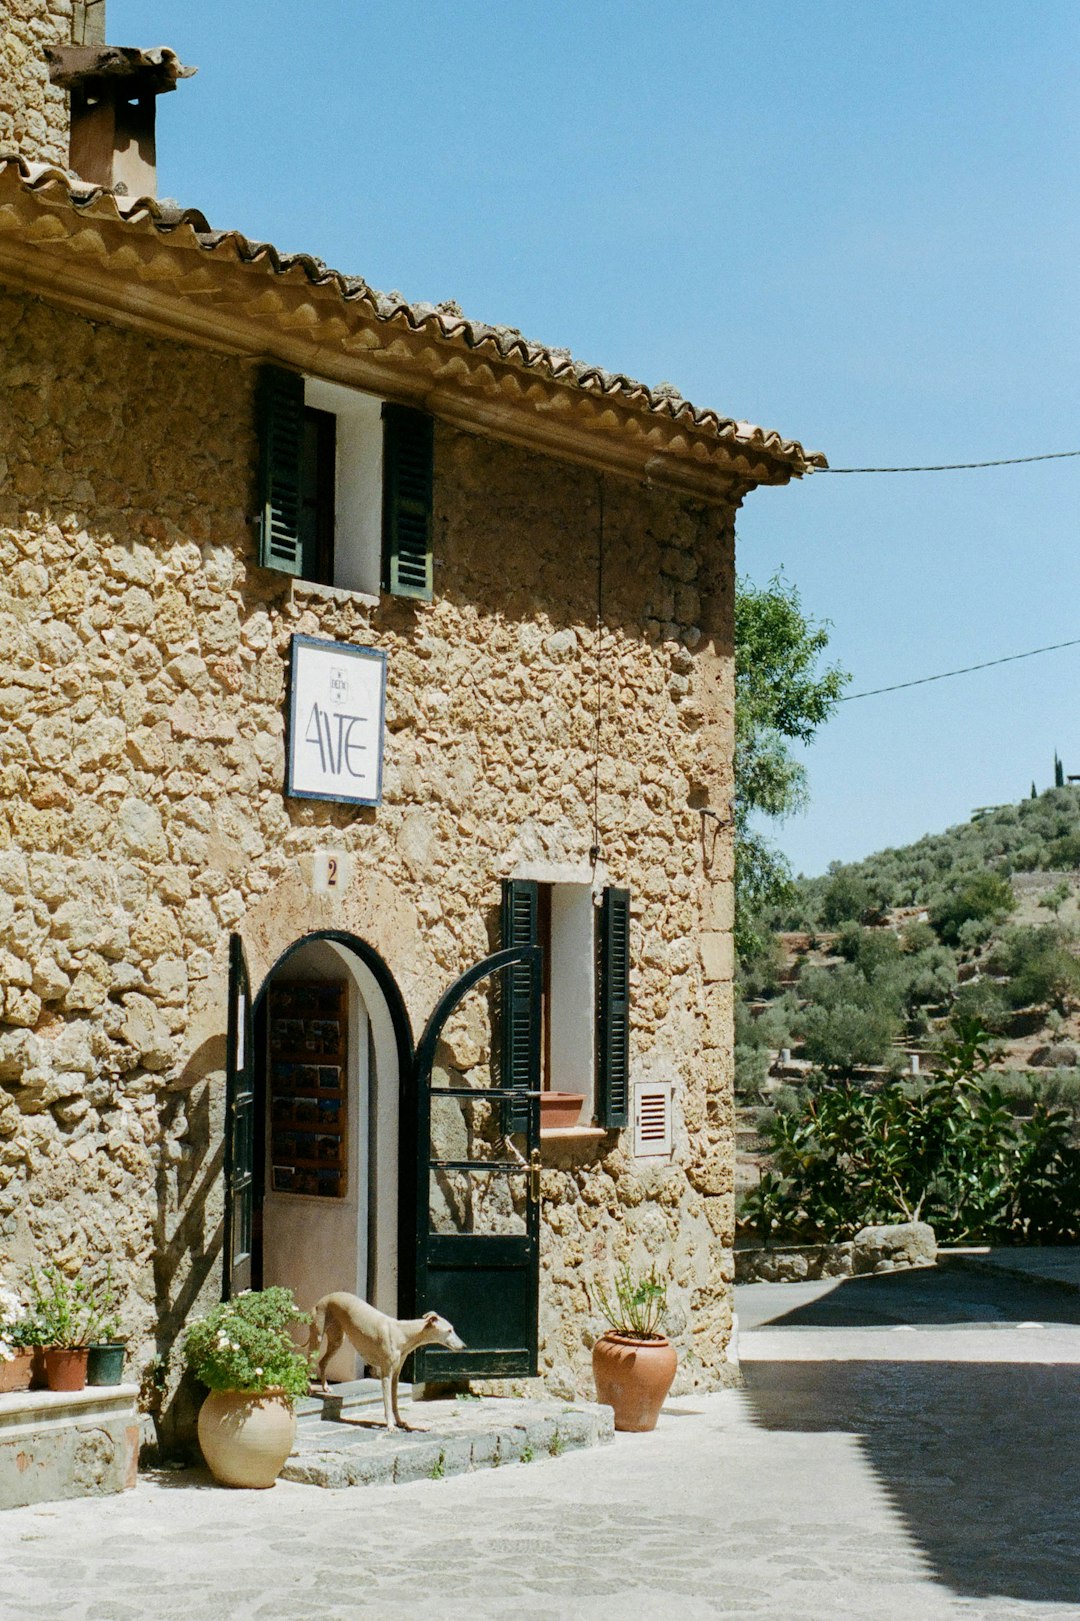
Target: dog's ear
431,1317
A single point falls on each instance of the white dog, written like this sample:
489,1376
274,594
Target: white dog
383,1342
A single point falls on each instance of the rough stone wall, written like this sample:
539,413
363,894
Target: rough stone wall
33,113
142,675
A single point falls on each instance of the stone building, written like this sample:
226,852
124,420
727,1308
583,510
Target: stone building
346,643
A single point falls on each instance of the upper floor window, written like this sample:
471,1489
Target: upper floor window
584,1011
345,486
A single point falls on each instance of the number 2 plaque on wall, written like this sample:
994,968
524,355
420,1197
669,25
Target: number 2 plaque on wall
337,701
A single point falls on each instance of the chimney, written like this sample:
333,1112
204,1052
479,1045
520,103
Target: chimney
114,91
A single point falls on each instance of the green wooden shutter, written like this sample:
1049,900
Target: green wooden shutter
408,453
613,1010
279,402
520,1035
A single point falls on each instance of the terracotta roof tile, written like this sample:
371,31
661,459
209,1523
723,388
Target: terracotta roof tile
442,321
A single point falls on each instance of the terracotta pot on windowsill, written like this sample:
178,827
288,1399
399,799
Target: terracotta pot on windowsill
558,1110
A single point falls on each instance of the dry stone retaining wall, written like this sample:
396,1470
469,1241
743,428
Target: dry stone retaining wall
142,676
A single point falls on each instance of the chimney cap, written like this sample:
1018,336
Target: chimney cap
156,70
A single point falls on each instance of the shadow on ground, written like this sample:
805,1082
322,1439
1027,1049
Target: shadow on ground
981,1459
922,1297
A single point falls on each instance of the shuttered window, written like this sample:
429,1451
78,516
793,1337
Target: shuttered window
520,1035
317,471
279,404
613,1010
408,443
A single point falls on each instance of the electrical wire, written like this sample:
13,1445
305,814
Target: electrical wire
946,675
955,467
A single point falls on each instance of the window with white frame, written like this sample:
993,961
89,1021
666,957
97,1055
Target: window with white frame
345,486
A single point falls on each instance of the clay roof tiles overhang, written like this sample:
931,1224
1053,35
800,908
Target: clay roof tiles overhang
162,269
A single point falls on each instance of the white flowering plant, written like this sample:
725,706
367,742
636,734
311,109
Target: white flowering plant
69,1313
244,1344
16,1327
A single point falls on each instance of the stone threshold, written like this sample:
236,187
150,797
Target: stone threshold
452,1437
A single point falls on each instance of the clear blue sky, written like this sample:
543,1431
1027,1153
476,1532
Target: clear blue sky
856,223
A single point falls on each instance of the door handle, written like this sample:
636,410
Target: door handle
534,1176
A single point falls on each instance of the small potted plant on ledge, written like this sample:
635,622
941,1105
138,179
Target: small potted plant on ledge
243,1352
61,1319
16,1342
105,1362
633,1362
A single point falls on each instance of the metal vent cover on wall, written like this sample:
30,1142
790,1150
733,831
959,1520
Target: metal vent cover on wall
652,1119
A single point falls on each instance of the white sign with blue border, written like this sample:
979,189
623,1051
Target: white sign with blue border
337,701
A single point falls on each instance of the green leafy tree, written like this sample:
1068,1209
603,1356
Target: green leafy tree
851,1018
986,897
782,696
847,898
1039,967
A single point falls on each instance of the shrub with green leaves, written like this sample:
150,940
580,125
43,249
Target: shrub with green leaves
244,1344
1040,968
947,1151
986,897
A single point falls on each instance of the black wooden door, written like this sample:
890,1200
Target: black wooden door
478,1187
239,1127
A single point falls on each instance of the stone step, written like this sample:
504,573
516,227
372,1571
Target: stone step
449,1438
349,1396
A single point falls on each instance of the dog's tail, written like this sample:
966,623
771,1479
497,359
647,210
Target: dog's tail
318,1328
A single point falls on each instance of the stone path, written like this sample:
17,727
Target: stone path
878,1471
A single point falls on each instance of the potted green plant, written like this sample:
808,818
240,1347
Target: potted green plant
105,1361
61,1317
633,1361
243,1353
16,1343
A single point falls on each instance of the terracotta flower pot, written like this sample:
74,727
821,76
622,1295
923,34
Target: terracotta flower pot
246,1435
65,1369
15,1375
558,1110
633,1376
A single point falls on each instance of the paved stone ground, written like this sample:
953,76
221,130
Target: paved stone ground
886,1470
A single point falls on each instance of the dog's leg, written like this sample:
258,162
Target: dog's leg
389,1402
334,1336
393,1397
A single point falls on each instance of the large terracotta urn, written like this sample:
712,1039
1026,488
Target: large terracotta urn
633,1376
246,1435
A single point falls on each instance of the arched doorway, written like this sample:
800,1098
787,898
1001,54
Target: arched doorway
314,1126
426,1192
